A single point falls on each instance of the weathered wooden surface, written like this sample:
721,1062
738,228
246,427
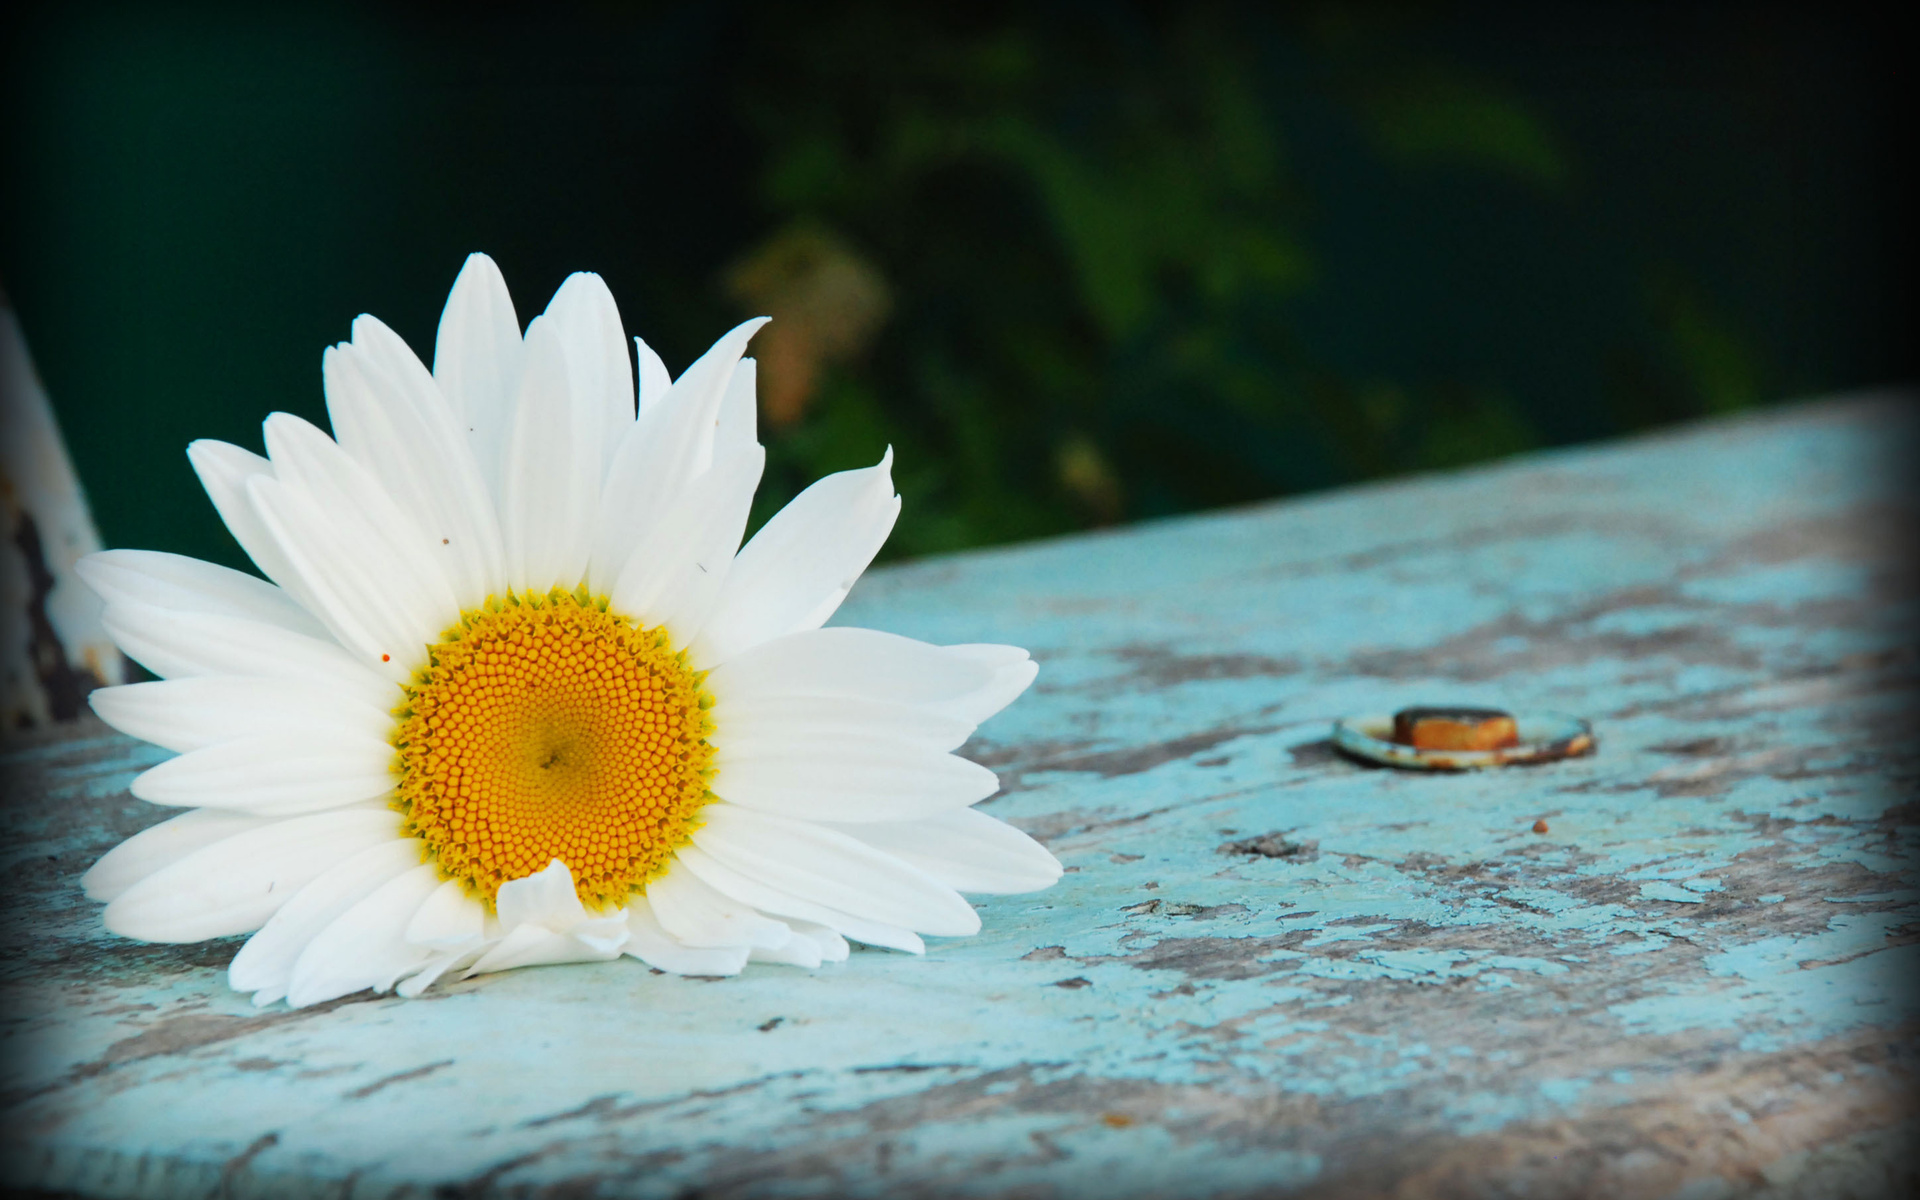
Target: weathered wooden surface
1269,970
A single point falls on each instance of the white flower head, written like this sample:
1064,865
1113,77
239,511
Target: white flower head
517,695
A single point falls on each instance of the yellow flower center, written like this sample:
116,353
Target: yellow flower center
545,727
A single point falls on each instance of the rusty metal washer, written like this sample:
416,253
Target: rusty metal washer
1544,737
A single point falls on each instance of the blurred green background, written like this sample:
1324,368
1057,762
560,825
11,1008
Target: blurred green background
1079,263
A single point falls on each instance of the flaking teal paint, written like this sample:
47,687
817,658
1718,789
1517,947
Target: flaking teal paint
1425,963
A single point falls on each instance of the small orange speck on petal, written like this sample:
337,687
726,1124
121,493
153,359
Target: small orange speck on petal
386,658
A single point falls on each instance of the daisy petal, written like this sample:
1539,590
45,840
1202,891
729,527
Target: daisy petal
757,719
990,653
180,584
830,868
675,572
737,424
345,512
188,645
697,915
797,951
451,919
390,416
802,563
306,459
863,663
162,845
792,909
538,946
438,965
653,945
289,771
845,776
654,380
588,322
550,479
224,472
661,454
546,903
965,849
188,714
702,387
386,632
604,935
832,947
387,352
476,362
797,913
365,946
523,946
1013,673
264,965
546,898
235,884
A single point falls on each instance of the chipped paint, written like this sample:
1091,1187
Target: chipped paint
1268,968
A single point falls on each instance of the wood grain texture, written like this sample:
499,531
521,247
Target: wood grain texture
1269,971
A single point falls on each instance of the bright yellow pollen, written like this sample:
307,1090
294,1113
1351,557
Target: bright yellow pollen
545,727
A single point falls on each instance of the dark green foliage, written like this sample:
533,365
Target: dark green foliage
1100,241
1078,263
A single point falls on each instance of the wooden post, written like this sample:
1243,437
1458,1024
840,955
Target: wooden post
52,648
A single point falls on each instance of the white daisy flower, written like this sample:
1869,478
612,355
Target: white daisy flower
517,695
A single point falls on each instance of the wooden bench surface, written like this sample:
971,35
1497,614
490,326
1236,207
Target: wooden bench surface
1268,970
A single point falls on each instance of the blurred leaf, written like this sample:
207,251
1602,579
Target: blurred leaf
1438,116
1470,428
1091,230
1719,365
1423,109
1075,262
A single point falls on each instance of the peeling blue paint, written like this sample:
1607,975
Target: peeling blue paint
1730,875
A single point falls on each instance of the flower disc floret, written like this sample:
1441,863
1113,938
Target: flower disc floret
547,727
